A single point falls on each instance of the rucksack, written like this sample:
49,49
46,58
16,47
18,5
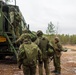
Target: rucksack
31,52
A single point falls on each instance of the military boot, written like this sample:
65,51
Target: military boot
54,71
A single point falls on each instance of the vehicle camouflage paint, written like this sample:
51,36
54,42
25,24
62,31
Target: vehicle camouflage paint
6,37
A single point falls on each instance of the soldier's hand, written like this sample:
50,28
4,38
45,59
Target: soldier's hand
19,66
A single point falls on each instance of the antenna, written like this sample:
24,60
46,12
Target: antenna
15,2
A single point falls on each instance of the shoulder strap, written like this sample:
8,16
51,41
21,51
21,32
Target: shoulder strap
24,51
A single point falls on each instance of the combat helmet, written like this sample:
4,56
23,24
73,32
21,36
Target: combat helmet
57,39
27,37
39,33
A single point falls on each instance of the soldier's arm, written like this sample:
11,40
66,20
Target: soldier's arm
19,39
60,48
50,45
37,41
20,56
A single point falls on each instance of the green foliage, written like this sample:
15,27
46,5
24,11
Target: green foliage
73,39
50,28
68,39
65,39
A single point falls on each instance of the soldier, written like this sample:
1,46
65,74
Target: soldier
17,23
22,37
28,55
43,44
11,13
57,54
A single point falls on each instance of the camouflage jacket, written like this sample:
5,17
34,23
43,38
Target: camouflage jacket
22,37
43,44
22,57
58,48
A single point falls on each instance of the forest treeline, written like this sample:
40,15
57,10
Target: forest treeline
65,39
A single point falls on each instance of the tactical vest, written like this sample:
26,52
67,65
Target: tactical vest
43,45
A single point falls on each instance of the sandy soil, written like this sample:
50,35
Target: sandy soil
73,47
68,65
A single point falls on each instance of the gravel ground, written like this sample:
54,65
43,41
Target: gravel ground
68,65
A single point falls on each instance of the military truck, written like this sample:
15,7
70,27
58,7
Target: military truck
6,36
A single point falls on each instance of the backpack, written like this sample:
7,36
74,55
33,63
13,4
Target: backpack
31,52
45,47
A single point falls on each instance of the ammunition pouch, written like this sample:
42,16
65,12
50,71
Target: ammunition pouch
50,52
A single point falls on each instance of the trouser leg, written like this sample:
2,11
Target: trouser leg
46,66
40,69
33,70
26,70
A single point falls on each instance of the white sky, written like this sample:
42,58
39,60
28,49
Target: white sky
38,13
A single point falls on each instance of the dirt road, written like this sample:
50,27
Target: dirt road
68,64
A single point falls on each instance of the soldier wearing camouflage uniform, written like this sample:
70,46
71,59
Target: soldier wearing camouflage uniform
43,43
11,15
22,37
29,67
15,21
57,54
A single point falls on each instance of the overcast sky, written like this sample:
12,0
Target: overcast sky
38,13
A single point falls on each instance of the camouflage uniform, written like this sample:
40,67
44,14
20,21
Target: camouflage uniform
23,36
11,13
29,68
42,43
57,55
17,23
